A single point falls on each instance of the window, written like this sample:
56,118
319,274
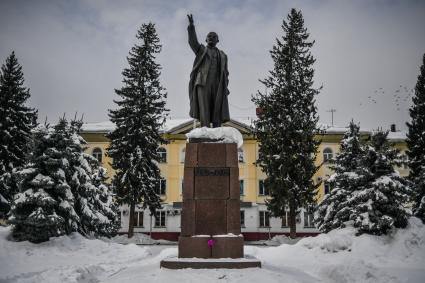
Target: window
405,161
181,186
308,218
264,219
162,187
241,187
138,219
183,155
285,220
162,155
262,190
240,155
327,186
242,218
327,154
97,153
160,218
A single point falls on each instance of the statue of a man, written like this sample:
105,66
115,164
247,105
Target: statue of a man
208,80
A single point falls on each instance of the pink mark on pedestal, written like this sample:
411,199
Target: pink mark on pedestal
211,243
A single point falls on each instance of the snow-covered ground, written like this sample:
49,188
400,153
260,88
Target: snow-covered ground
139,239
335,257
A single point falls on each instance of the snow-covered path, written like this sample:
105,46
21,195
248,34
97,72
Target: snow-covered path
149,271
338,256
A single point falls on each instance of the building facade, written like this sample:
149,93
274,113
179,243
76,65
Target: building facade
256,223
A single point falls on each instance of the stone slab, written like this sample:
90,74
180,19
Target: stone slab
211,183
188,218
211,155
227,247
209,140
190,247
188,183
177,263
231,155
210,217
191,155
233,216
234,192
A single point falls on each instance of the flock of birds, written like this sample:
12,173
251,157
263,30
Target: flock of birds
400,96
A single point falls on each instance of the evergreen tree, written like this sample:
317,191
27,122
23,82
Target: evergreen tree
138,119
379,205
287,124
105,203
45,205
62,189
416,145
94,204
350,175
16,123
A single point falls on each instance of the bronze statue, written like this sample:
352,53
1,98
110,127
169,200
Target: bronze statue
208,80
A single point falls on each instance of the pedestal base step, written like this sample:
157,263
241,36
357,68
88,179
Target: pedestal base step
224,247
200,263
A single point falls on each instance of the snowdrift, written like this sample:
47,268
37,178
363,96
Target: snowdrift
338,256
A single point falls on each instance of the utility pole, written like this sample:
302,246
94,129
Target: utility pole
332,113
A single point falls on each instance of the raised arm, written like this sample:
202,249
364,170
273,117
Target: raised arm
193,40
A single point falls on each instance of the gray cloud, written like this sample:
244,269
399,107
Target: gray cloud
73,52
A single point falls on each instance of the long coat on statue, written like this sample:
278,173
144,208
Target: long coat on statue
198,82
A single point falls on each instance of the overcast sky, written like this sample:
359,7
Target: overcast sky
368,52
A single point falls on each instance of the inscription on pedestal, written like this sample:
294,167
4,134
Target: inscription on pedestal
204,171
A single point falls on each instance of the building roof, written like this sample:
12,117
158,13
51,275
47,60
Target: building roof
397,136
108,126
179,126
172,126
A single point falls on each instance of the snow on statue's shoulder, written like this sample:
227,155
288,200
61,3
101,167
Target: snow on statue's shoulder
221,135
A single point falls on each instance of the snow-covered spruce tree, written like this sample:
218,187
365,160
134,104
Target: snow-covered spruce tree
45,205
140,115
350,175
16,123
106,204
416,145
288,121
98,214
62,189
380,205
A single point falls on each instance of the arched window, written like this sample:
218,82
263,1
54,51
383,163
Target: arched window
162,155
240,155
327,154
183,155
97,153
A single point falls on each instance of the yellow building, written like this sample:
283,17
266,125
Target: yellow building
255,220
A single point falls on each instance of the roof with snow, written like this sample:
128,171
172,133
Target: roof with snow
171,126
245,126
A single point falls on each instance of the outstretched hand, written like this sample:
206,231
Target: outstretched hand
190,17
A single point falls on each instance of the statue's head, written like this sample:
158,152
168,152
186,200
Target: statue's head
212,39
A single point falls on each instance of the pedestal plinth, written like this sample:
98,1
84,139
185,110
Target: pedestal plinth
211,210
210,220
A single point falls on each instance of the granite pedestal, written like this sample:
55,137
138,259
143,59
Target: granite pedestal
210,220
